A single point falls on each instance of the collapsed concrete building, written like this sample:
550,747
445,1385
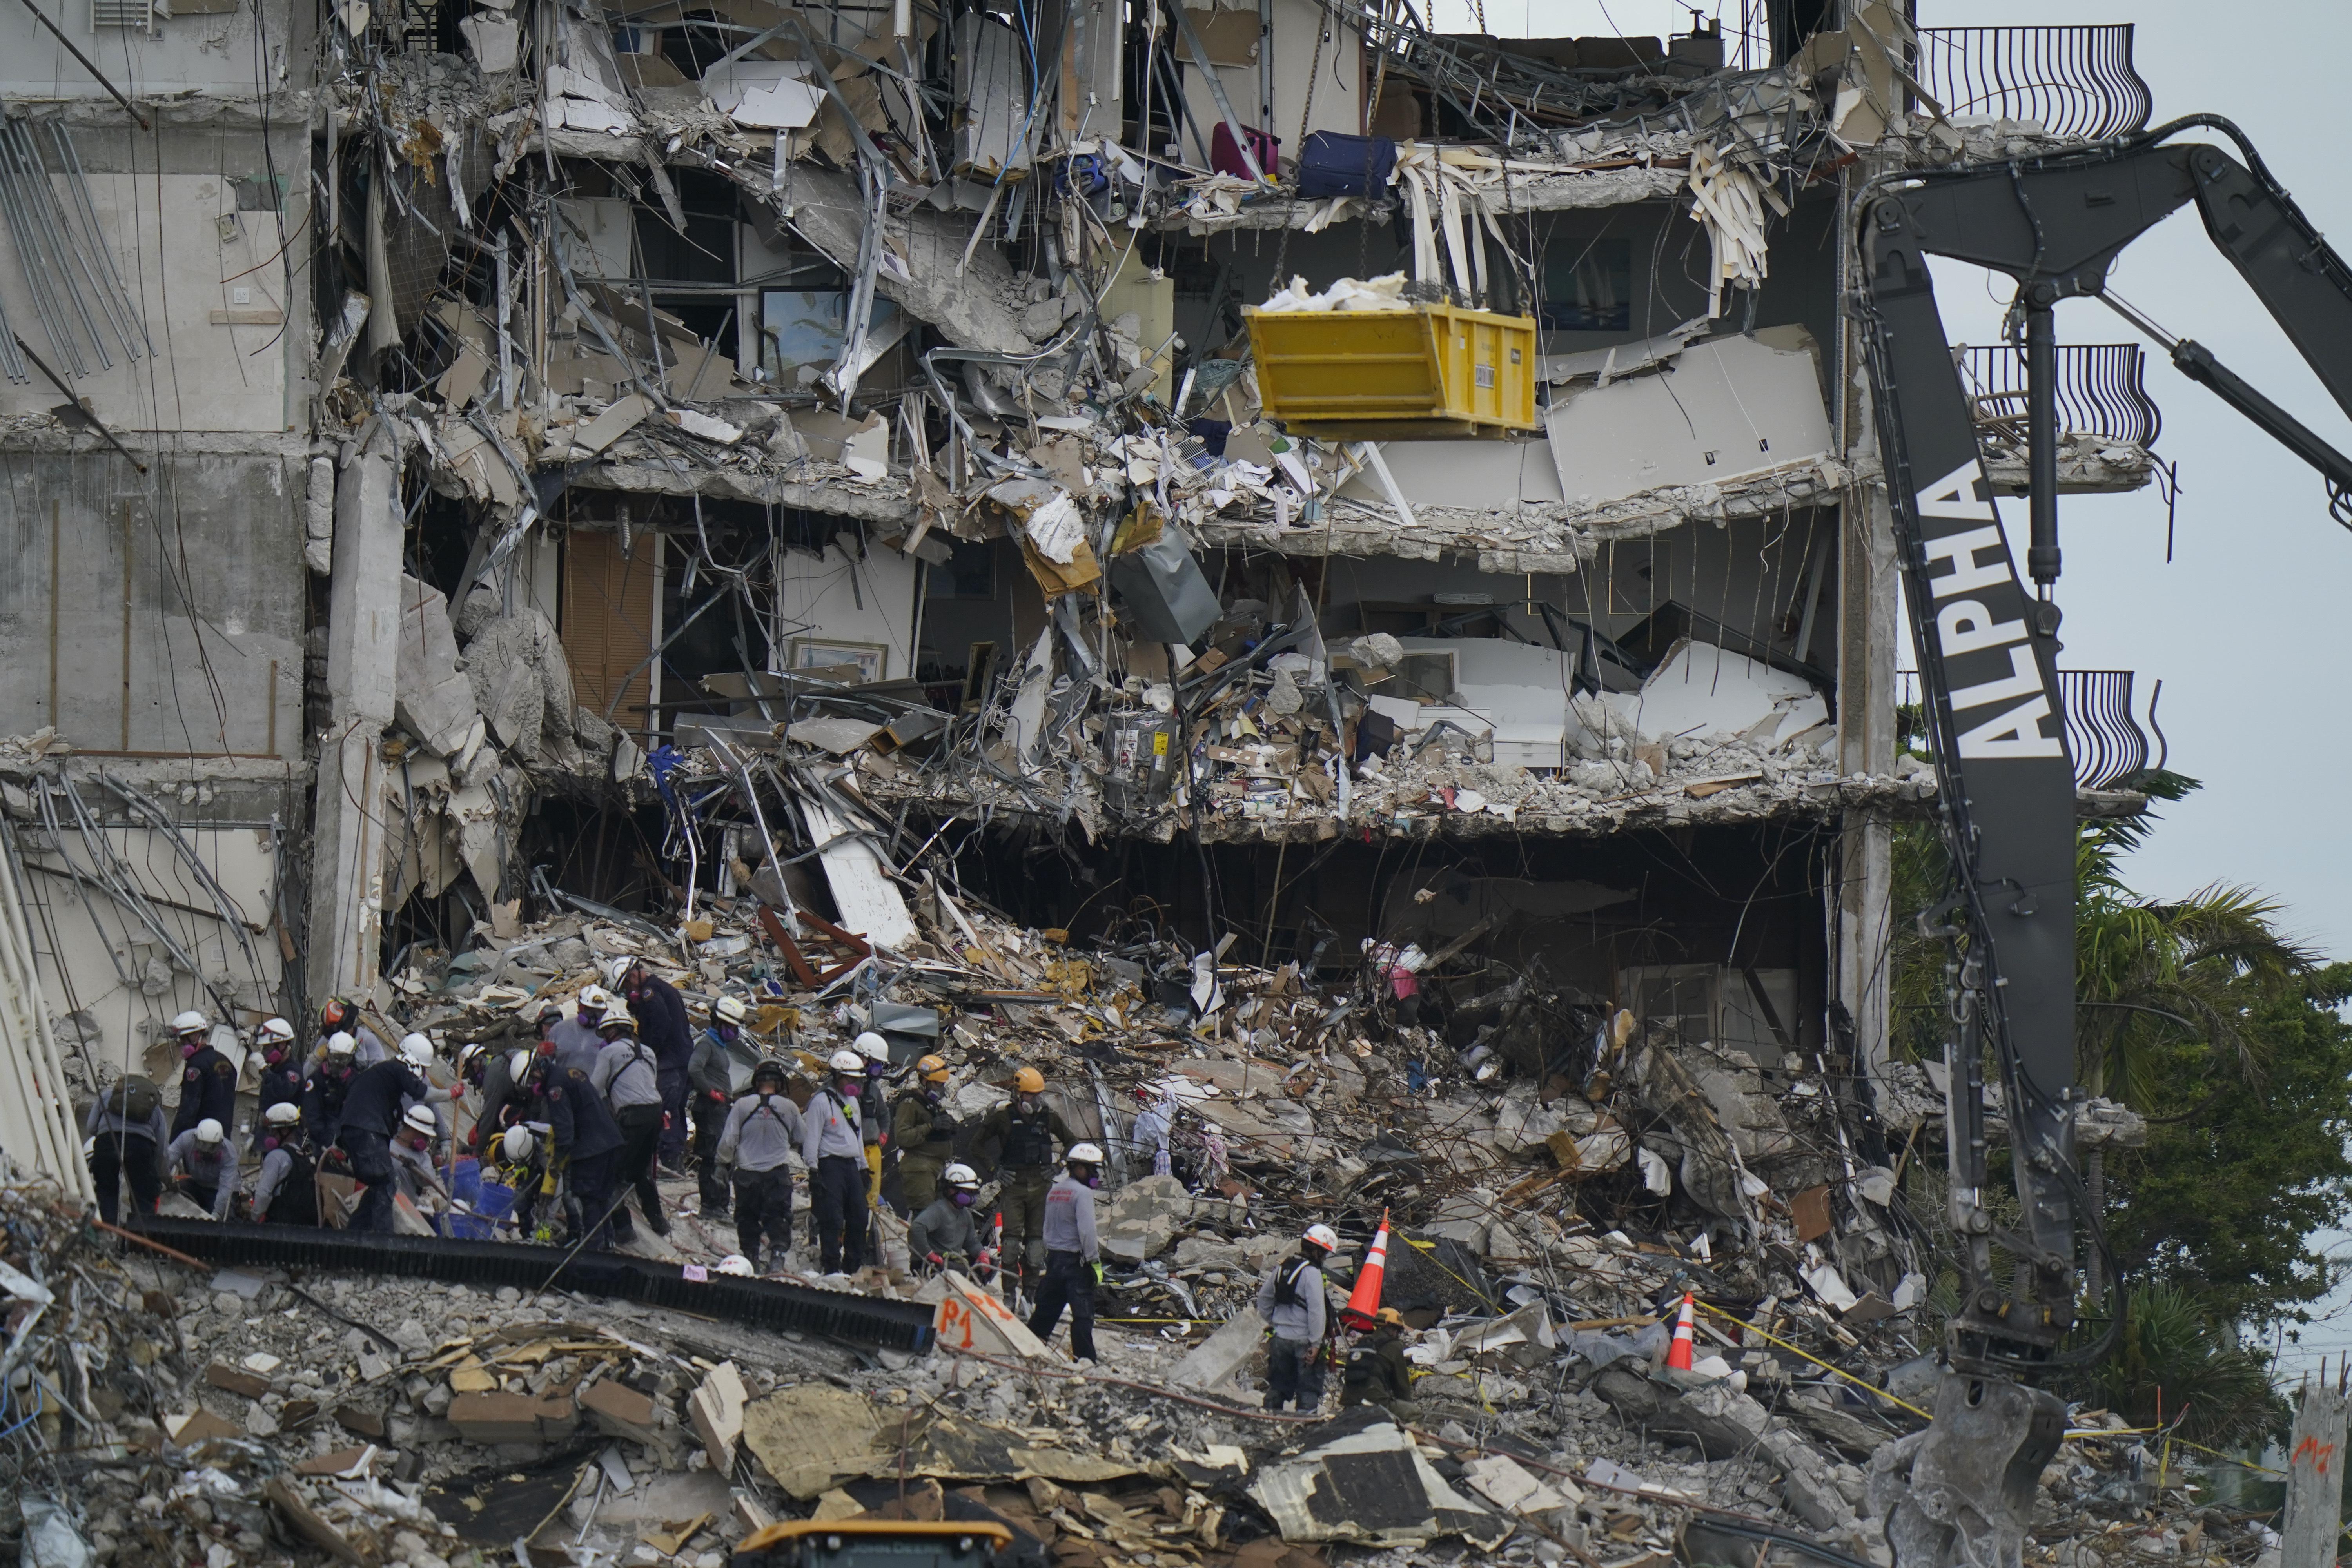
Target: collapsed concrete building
447,445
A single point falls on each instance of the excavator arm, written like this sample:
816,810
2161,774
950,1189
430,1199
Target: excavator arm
1986,646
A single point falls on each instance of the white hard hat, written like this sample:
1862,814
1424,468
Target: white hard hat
848,1061
1324,1237
285,1113
466,1053
277,1029
517,1063
190,1021
417,1051
960,1175
618,965
735,1263
209,1130
731,1010
420,1119
517,1145
1083,1154
873,1047
595,999
340,1044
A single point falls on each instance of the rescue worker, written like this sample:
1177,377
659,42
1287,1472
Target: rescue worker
710,1078
923,1131
287,1192
417,1049
574,1042
834,1152
128,1136
586,1150
873,1112
942,1232
411,1159
1290,1299
281,1075
374,1108
207,1078
499,1076
763,1130
1377,1372
324,1091
1023,1133
521,1153
339,1017
203,1163
1148,1135
1073,1260
663,1024
629,1077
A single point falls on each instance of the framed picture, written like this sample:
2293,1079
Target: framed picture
872,660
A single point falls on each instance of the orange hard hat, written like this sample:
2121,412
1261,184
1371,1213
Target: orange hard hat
1029,1080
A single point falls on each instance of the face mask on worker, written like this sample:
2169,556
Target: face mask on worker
1089,1177
852,1086
190,1044
415,1139
965,1200
727,1033
1026,1101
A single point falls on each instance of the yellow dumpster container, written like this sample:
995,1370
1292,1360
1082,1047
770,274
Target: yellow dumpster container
1371,375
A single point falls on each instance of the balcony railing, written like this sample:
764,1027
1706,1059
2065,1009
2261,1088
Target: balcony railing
2070,81
2101,392
2104,731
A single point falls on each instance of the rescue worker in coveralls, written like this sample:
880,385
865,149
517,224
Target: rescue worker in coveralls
281,1075
663,1024
1024,1133
1073,1260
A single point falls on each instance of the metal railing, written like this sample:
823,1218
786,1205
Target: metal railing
2102,391
2070,81
2103,732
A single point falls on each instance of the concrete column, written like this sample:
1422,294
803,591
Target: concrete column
2315,1476
1866,657
346,936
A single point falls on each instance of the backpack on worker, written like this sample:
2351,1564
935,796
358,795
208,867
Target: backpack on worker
134,1099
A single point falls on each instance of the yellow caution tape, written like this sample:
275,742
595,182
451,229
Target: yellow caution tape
1792,1349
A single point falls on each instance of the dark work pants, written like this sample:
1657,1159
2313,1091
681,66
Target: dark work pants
838,1195
709,1122
1292,1374
1069,1282
116,1156
675,1088
370,1157
763,1214
642,1126
595,1186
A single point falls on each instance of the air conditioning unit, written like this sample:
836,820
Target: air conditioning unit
117,13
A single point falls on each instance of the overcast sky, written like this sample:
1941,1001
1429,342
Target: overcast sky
2249,626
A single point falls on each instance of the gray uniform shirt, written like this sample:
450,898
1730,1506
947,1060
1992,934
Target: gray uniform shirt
627,1074
760,1133
215,1167
1301,1320
577,1045
828,1131
105,1122
1070,1218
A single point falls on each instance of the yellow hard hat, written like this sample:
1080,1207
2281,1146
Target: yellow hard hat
933,1069
1029,1080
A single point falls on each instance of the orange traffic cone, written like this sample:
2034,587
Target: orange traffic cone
1678,1354
1364,1302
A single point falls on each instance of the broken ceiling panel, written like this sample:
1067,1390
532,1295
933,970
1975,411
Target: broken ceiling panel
1720,410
